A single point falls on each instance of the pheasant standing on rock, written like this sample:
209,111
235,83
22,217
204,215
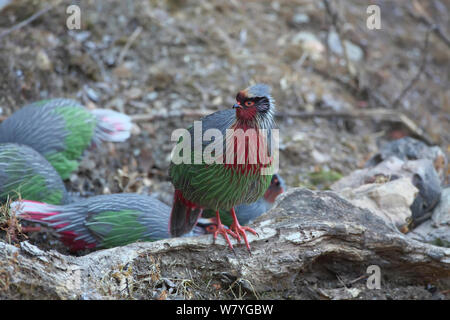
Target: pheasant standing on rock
103,221
226,183
61,129
25,172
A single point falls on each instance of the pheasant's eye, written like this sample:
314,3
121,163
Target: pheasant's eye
211,228
249,103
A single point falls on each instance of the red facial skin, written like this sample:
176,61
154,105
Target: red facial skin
247,113
274,191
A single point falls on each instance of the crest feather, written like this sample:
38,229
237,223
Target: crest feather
258,90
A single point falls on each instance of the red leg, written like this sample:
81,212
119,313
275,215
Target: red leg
238,229
224,231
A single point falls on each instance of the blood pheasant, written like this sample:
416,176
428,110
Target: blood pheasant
227,181
61,129
246,213
103,221
25,172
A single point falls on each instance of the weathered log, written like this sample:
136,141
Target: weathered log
309,246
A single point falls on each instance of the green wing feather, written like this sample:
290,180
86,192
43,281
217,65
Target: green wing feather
20,177
80,125
117,228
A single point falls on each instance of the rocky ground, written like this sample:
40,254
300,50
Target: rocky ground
166,62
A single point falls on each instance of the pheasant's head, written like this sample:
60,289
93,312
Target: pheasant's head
276,188
254,103
207,225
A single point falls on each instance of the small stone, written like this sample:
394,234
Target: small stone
133,93
135,130
217,101
310,44
151,96
320,157
300,18
354,52
138,104
117,104
123,71
91,93
42,61
80,36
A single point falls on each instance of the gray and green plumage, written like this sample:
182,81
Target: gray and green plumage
102,221
246,213
61,129
26,173
219,186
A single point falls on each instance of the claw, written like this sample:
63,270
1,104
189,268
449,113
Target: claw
238,229
224,231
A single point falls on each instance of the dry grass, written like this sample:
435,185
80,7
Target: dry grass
10,224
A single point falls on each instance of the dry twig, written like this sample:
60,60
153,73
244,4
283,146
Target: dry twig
26,21
127,46
425,19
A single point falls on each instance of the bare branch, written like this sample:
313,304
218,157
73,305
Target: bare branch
381,114
423,18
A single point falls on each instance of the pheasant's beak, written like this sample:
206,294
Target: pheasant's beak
237,106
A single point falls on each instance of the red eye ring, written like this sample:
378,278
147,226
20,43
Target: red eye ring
249,103
211,228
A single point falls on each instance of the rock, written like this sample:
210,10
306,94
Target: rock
117,103
310,44
307,235
80,36
300,18
133,93
151,96
85,63
427,181
91,93
441,214
340,294
436,230
320,157
123,71
354,52
421,173
329,101
408,148
390,201
43,61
